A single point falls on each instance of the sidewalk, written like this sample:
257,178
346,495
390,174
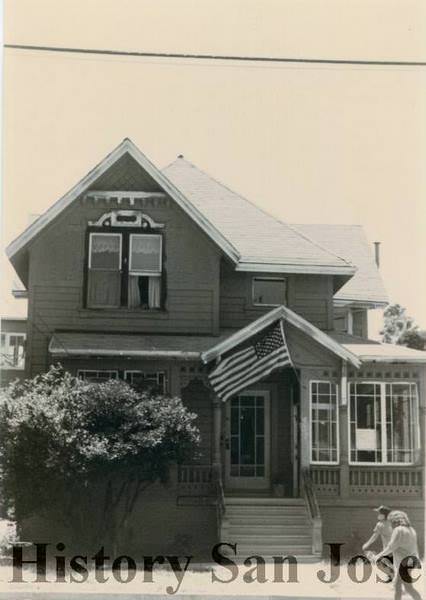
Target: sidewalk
198,583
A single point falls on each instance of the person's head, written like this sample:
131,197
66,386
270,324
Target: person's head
398,517
382,512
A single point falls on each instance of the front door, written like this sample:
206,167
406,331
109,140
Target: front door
248,441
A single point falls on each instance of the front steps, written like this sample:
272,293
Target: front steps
268,526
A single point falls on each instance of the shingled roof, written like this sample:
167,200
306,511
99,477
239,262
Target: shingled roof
252,239
263,242
349,241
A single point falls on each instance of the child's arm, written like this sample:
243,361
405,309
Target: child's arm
371,541
393,544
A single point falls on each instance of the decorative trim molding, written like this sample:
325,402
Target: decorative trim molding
126,218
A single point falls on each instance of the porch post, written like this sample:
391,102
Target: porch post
217,427
343,430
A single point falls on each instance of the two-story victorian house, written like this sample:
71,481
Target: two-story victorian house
162,275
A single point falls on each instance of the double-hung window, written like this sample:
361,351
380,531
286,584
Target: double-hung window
383,422
104,270
124,270
324,422
145,270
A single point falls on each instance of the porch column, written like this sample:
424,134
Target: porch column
343,431
217,432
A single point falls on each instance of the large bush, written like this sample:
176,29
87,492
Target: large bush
84,452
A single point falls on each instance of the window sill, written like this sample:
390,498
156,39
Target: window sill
138,313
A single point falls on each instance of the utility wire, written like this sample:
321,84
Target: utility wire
266,59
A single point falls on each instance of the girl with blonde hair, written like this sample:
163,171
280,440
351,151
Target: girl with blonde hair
403,545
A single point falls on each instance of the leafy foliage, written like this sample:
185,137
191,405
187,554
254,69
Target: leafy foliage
399,328
63,437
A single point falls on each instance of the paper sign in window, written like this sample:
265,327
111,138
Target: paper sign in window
366,439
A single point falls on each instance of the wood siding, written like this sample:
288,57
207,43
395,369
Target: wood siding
57,265
308,295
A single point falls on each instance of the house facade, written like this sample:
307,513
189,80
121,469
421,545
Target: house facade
159,276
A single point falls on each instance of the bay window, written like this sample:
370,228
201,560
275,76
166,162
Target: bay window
324,422
124,269
383,421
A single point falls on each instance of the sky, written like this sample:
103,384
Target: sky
308,143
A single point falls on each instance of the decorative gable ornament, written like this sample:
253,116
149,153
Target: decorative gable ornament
126,218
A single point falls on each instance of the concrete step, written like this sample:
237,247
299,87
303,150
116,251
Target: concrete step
278,550
247,539
270,510
270,529
273,520
263,500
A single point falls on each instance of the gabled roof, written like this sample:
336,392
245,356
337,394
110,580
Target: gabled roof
252,239
126,146
373,351
349,241
263,242
281,312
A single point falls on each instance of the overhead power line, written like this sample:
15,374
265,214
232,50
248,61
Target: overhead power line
182,55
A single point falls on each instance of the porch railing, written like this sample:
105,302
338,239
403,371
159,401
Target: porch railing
326,480
385,481
195,480
367,481
314,511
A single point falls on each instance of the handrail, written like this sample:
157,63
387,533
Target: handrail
314,511
220,498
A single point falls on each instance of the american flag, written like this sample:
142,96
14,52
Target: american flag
251,364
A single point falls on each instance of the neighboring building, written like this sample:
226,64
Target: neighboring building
13,332
140,273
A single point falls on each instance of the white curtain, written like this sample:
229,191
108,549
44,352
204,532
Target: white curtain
154,291
105,243
134,293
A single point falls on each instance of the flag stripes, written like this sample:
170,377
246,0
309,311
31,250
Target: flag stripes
251,364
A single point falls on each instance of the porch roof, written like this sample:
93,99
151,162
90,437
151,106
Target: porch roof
80,344
281,312
373,351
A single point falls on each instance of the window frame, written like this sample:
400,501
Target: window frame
336,386
80,371
135,272
268,278
124,232
141,371
8,335
104,233
383,423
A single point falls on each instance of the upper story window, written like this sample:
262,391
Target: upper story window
269,291
105,267
383,423
145,271
12,352
124,267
